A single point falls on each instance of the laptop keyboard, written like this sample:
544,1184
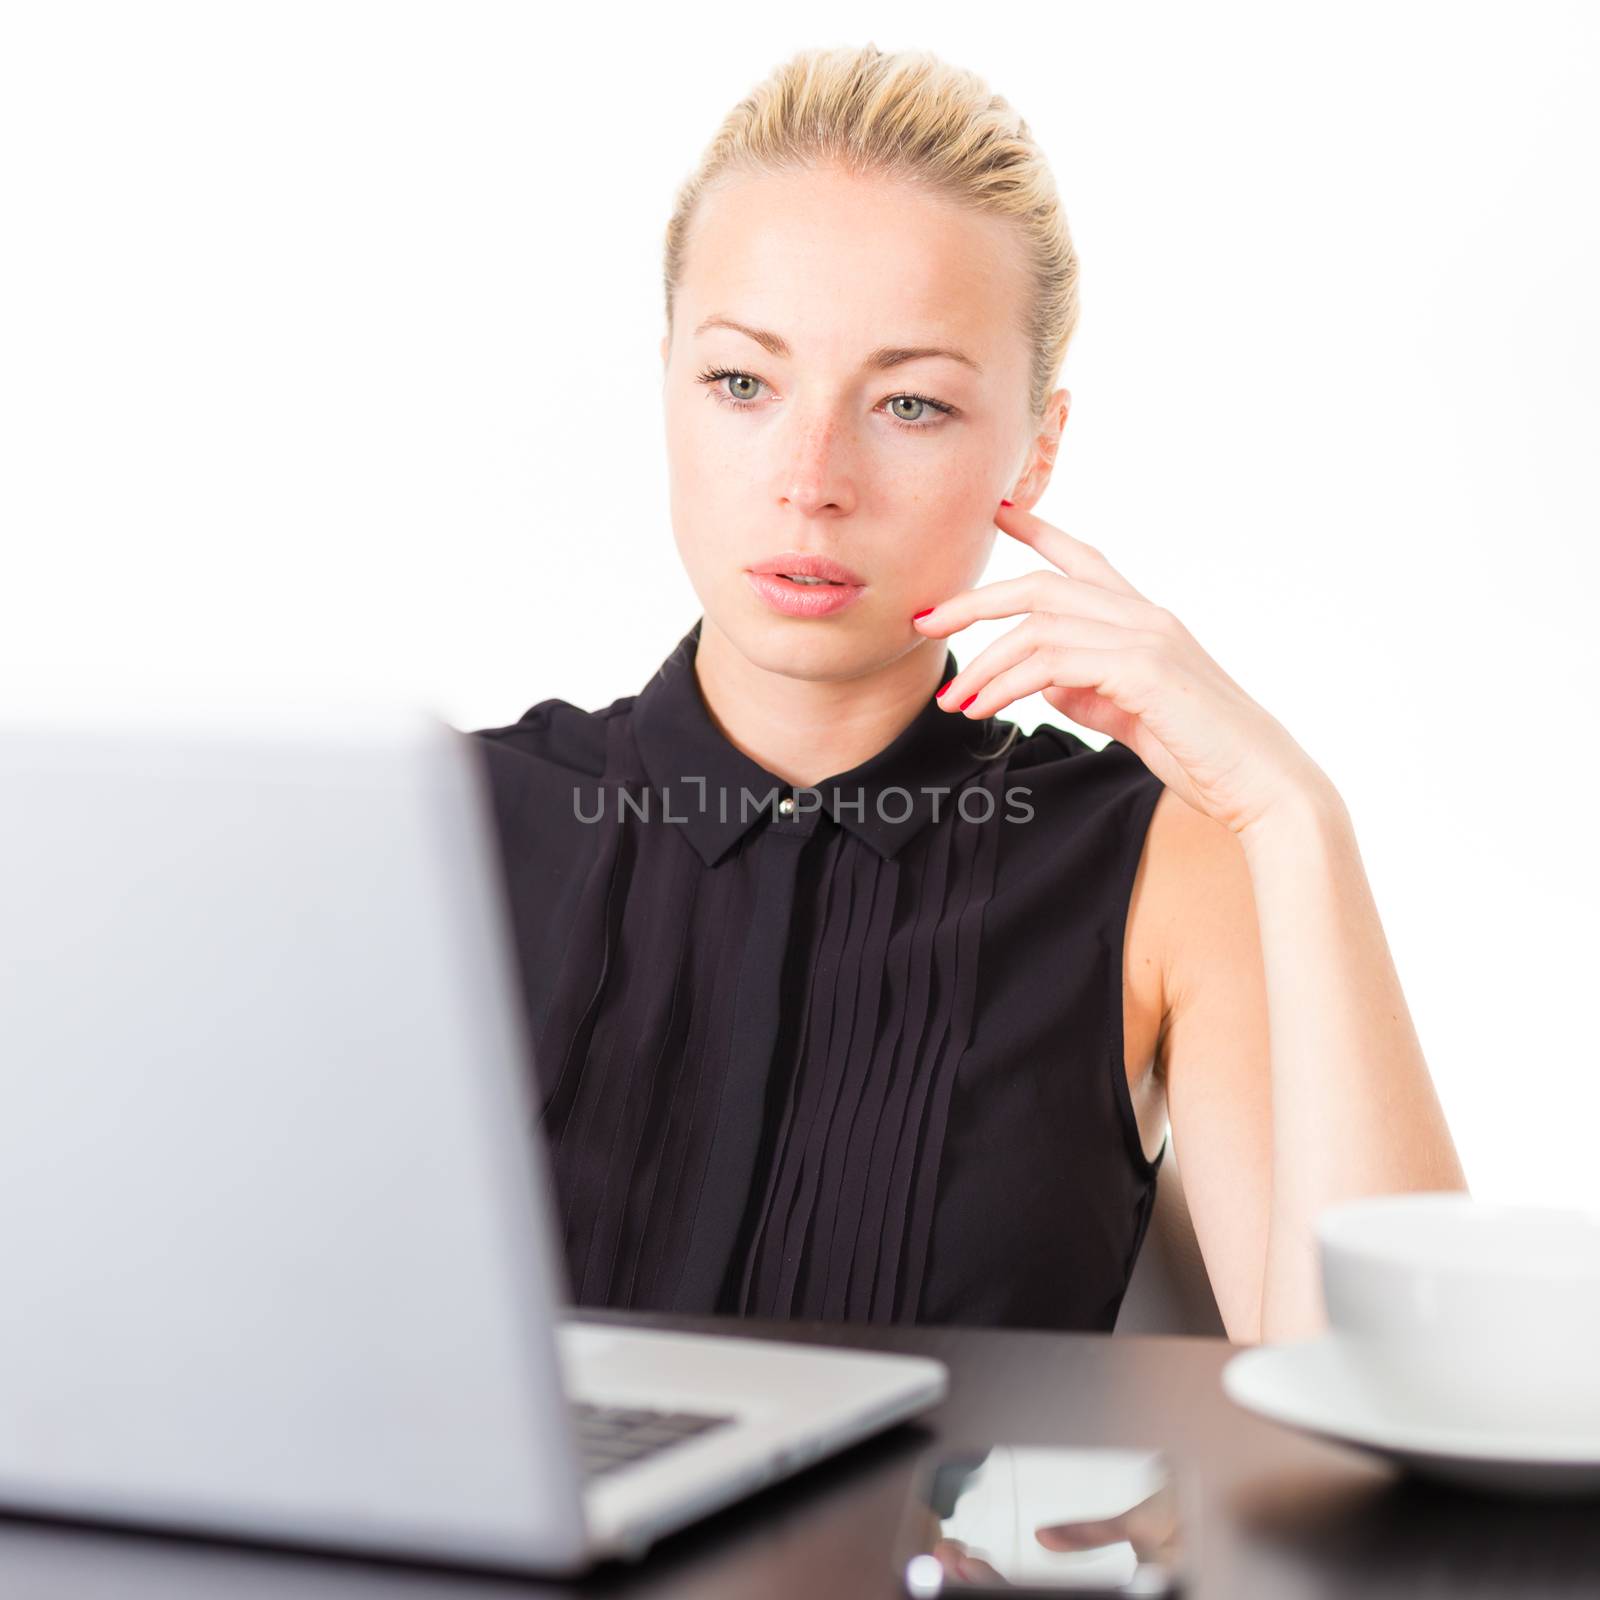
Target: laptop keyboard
616,1436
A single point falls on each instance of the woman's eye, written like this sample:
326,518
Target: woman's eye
737,395
905,411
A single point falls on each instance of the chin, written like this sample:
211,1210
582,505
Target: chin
822,648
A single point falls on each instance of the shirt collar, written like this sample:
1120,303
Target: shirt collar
686,754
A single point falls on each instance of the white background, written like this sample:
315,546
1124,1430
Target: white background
328,364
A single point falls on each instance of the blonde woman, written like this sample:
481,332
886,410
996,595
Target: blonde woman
848,999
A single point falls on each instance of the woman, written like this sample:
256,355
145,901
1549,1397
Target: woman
848,1000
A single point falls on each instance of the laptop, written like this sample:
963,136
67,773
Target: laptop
277,1254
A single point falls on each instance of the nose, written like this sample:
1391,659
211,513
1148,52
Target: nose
816,475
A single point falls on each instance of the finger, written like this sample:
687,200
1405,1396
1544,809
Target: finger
951,1554
1033,591
1072,556
1127,676
1082,1535
1041,631
974,1569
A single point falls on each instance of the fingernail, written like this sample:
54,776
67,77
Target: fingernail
968,701
945,687
1005,502
924,612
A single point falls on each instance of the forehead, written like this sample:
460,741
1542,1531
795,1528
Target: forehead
832,260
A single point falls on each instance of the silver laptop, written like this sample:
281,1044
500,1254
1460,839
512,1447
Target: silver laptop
276,1258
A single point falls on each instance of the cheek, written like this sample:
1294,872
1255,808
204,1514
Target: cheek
702,537
963,561
703,458
953,473
699,497
931,562
945,506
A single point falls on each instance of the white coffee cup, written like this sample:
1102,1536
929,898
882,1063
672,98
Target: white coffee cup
1468,1316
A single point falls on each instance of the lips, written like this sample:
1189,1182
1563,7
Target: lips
797,564
803,600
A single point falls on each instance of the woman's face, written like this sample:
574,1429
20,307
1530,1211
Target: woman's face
811,445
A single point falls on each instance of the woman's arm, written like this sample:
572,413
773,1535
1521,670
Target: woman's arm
1353,1107
1294,1076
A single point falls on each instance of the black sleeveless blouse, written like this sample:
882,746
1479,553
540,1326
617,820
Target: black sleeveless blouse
852,1052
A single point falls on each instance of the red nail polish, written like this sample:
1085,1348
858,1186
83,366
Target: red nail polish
1005,502
924,612
945,687
968,701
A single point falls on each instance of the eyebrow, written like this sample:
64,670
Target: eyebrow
884,356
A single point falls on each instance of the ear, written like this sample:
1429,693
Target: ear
666,344
1042,452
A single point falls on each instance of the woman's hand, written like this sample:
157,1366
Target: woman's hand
1109,659
1151,1527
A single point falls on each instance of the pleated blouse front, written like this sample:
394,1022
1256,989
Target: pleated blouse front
852,1052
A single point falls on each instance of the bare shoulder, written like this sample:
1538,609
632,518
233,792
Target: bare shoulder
1192,875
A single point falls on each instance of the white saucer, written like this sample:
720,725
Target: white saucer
1306,1385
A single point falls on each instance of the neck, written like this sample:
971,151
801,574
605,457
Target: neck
803,730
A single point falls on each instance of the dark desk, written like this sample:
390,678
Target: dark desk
1274,1515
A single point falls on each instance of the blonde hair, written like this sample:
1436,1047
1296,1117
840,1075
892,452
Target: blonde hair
913,117
909,116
